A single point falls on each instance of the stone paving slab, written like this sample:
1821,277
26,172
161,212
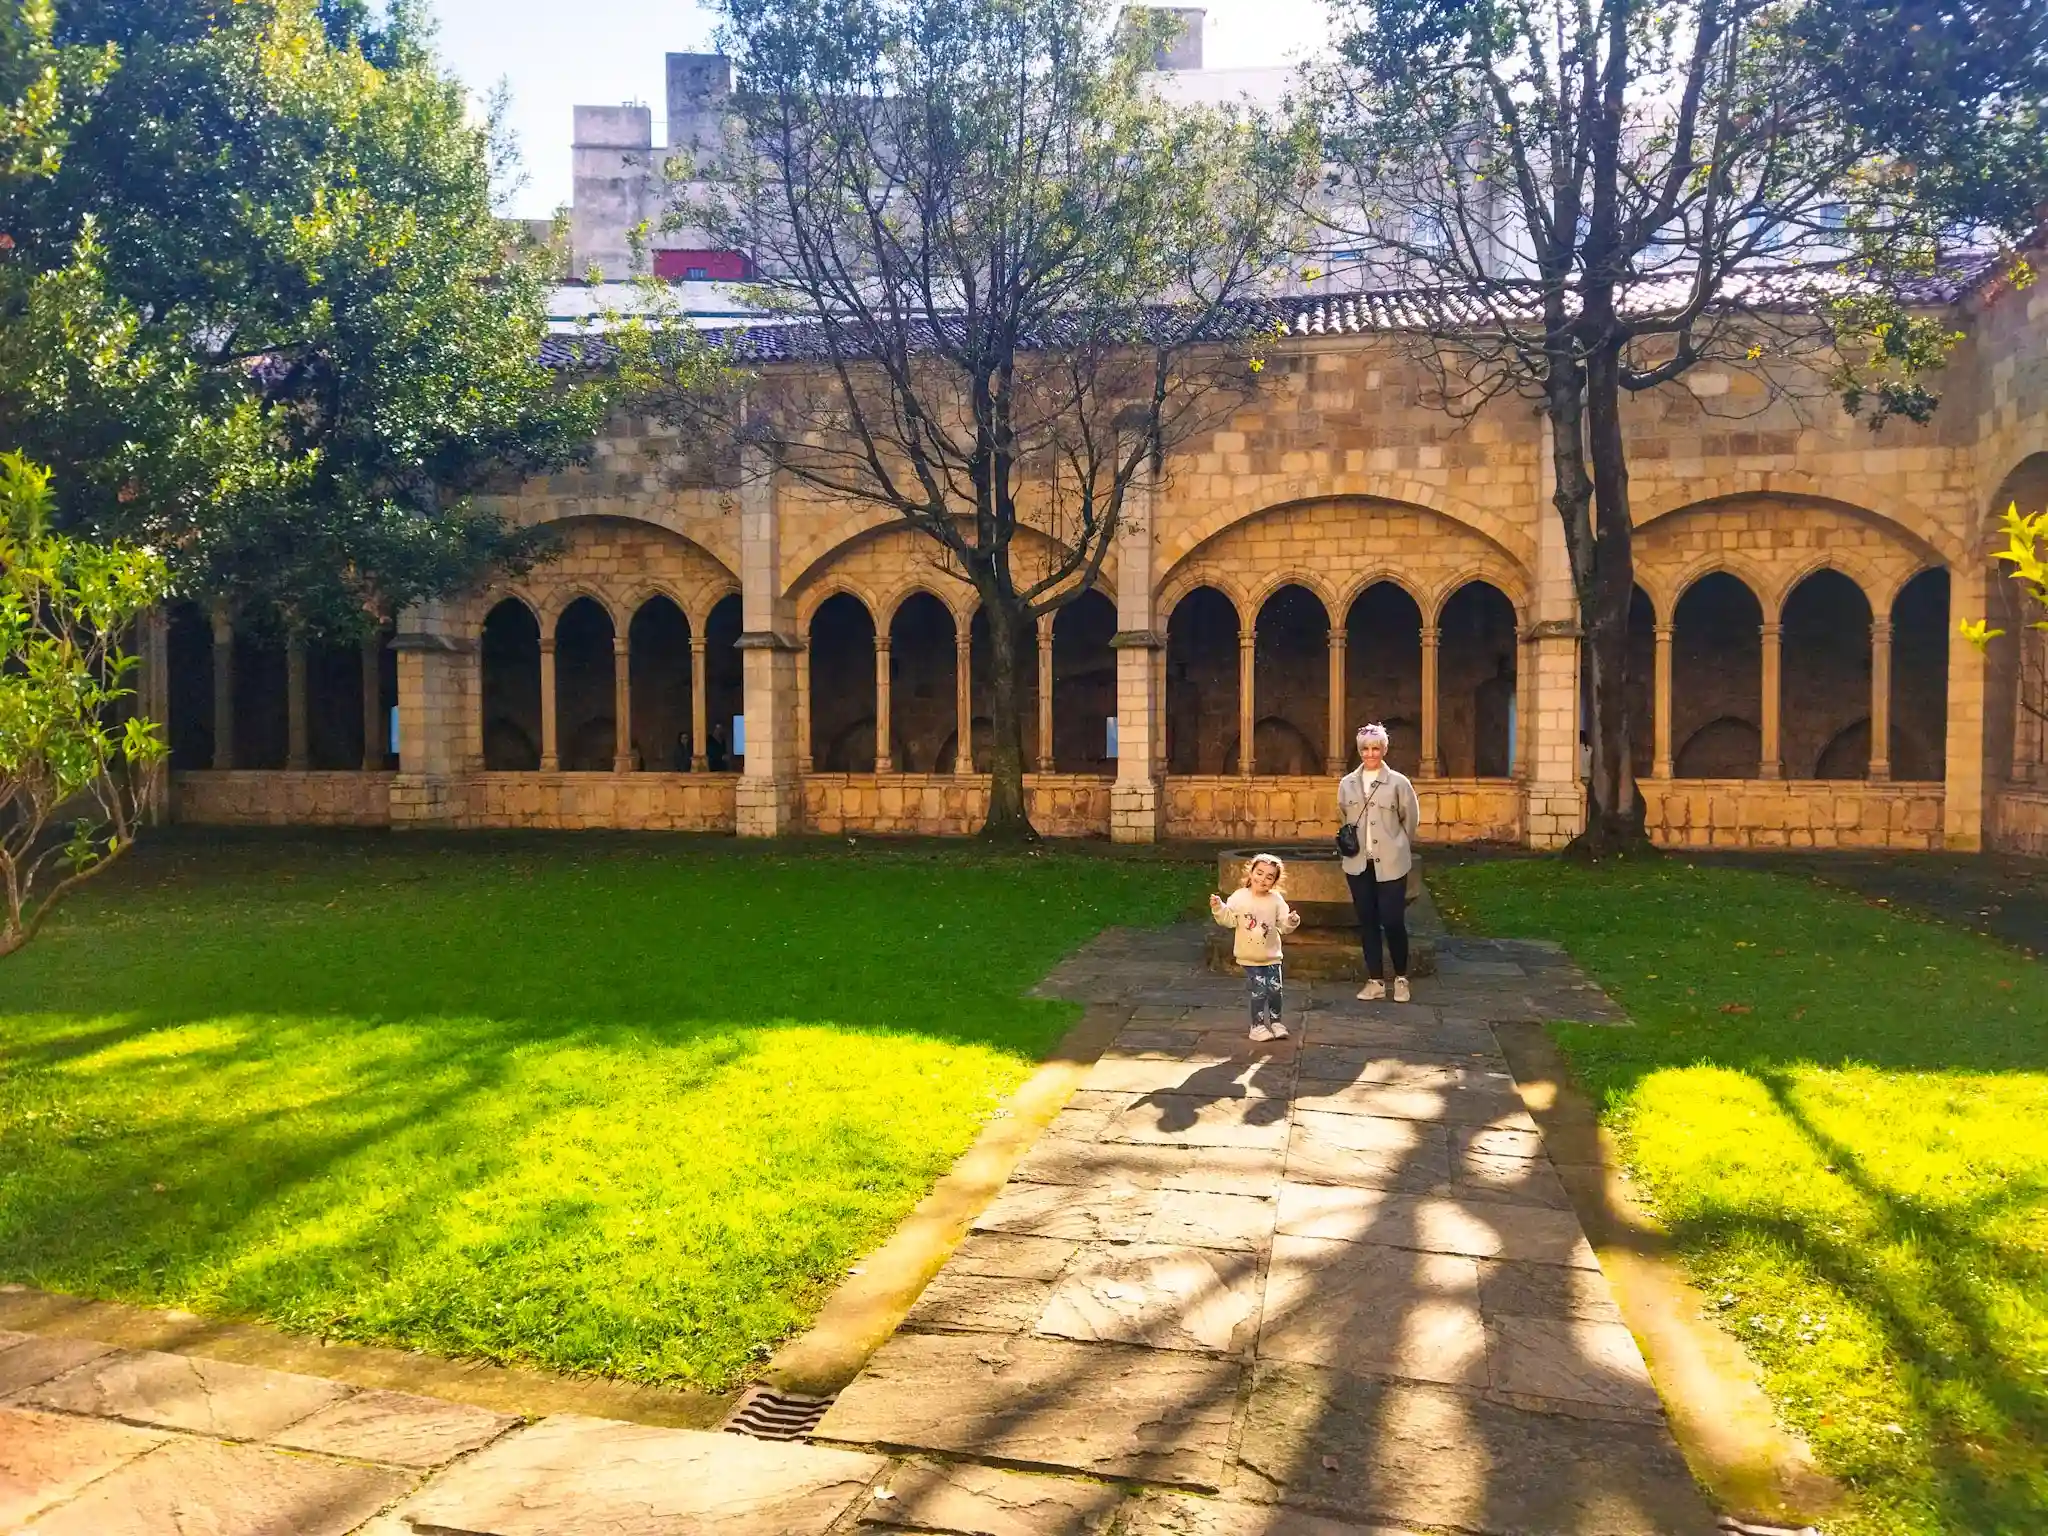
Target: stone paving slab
1159,1295
1189,1120
207,1488
397,1427
1478,1230
1410,1453
1168,1514
576,1475
29,1360
1382,1310
980,1303
1253,1171
1108,1410
45,1458
212,1397
961,1499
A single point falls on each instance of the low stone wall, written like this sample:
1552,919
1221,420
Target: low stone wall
1226,808
650,802
1792,813
274,797
2019,821
949,805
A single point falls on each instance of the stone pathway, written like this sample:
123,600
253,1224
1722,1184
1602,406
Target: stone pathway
1331,1287
1275,1289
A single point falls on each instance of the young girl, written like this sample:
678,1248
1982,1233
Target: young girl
1260,915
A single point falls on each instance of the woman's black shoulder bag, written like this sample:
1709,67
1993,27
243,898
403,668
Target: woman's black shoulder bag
1347,837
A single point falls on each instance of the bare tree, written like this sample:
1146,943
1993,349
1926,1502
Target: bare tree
1013,277
1589,198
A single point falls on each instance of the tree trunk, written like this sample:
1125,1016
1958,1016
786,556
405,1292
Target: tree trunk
1009,818
1614,810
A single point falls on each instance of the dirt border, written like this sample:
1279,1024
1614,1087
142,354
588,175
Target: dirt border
1751,1465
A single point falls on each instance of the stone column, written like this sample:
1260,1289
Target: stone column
963,696
437,708
1247,703
376,728
1553,795
804,762
1963,788
1525,705
1338,759
622,704
153,704
1773,764
1431,767
1137,802
1045,753
1880,700
700,703
1661,764
885,754
298,756
223,690
550,757
769,800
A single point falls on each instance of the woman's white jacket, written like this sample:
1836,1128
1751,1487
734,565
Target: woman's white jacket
1386,826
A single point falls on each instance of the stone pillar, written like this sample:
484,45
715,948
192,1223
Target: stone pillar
1963,788
769,800
437,704
1661,764
1553,796
700,704
1247,703
804,762
1525,705
963,695
298,755
550,756
376,728
153,704
1045,754
1773,764
622,704
885,746
1880,700
223,690
1338,758
1432,766
1137,803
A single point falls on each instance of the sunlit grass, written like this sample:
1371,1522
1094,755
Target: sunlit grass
629,1107
1842,1115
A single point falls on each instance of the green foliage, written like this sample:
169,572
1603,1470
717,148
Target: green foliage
259,314
622,1106
68,745
1835,1110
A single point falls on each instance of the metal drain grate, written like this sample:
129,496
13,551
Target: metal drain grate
1734,1527
770,1415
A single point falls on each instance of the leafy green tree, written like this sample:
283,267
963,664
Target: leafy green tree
1594,199
69,743
258,313
1019,277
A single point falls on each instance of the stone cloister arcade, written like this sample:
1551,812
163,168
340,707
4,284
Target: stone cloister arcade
740,656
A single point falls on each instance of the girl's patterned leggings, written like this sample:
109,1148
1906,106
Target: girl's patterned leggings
1262,991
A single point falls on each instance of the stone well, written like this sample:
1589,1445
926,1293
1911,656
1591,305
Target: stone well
1325,947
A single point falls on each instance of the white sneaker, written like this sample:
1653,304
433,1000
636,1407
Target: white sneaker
1279,1030
1261,1034
1372,991
1400,989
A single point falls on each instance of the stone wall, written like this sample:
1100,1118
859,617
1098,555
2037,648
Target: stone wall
2020,822
261,797
1792,813
650,802
943,805
1217,808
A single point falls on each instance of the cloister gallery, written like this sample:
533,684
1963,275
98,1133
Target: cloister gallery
737,654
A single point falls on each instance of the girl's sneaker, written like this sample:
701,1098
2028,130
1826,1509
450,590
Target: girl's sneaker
1279,1030
1400,989
1372,991
1261,1033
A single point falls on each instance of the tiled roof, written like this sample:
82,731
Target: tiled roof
1332,314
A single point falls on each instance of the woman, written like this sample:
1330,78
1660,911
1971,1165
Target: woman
1381,803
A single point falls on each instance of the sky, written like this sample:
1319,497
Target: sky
556,56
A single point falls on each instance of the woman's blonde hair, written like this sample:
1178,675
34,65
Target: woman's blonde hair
1252,863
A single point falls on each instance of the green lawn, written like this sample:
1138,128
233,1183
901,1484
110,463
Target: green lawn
627,1106
1841,1113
